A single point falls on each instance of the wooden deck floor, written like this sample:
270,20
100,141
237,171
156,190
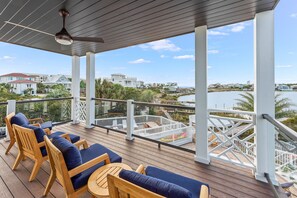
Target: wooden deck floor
225,180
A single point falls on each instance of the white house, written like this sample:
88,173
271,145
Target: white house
21,86
125,81
15,76
58,79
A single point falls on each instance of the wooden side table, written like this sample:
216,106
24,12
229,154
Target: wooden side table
97,183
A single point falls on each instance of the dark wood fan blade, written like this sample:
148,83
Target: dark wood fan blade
88,39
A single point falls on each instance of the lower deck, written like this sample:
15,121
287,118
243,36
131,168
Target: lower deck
225,180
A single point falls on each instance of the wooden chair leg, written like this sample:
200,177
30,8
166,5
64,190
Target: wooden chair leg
35,170
17,161
9,146
50,183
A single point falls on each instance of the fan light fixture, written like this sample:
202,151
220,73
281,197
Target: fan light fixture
63,37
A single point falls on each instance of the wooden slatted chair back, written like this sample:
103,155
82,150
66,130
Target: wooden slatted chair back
120,188
58,166
27,141
8,125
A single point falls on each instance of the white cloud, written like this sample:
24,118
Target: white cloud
284,66
294,15
217,33
209,67
237,28
163,44
139,61
163,56
213,51
185,57
7,58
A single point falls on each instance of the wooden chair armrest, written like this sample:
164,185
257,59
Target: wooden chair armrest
36,124
66,136
204,192
41,144
89,164
140,169
36,120
47,131
81,142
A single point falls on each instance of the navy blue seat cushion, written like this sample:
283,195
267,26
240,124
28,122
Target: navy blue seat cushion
70,152
19,119
47,125
88,154
192,185
73,138
155,185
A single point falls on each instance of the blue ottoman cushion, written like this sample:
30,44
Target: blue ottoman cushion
192,185
155,185
19,119
73,138
88,154
47,125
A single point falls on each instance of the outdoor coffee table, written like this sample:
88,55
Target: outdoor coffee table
97,183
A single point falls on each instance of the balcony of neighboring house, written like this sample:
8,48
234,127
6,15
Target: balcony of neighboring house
234,152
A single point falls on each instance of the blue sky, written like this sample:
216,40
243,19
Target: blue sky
230,55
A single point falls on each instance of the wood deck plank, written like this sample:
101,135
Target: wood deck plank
225,180
15,186
145,152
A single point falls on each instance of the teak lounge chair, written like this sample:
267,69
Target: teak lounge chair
153,182
21,120
73,167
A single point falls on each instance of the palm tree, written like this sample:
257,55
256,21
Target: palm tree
282,105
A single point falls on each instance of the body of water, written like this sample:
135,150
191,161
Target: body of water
227,100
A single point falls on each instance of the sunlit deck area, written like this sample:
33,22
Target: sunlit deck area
225,179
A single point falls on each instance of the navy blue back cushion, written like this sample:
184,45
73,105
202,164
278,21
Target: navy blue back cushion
70,152
155,185
39,132
19,119
192,185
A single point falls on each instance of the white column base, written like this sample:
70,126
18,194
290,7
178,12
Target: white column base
75,122
262,178
202,160
89,126
129,138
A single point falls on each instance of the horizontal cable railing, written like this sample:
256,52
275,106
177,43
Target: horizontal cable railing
43,100
109,100
147,139
281,127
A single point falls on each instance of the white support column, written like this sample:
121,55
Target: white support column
75,89
201,95
90,89
264,94
130,120
11,107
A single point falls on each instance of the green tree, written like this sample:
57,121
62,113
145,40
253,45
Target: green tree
41,88
147,96
282,105
58,91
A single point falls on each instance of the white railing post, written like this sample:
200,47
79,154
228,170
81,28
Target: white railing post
75,89
90,89
201,113
11,107
264,94
130,119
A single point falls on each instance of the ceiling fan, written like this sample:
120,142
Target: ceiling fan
64,38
